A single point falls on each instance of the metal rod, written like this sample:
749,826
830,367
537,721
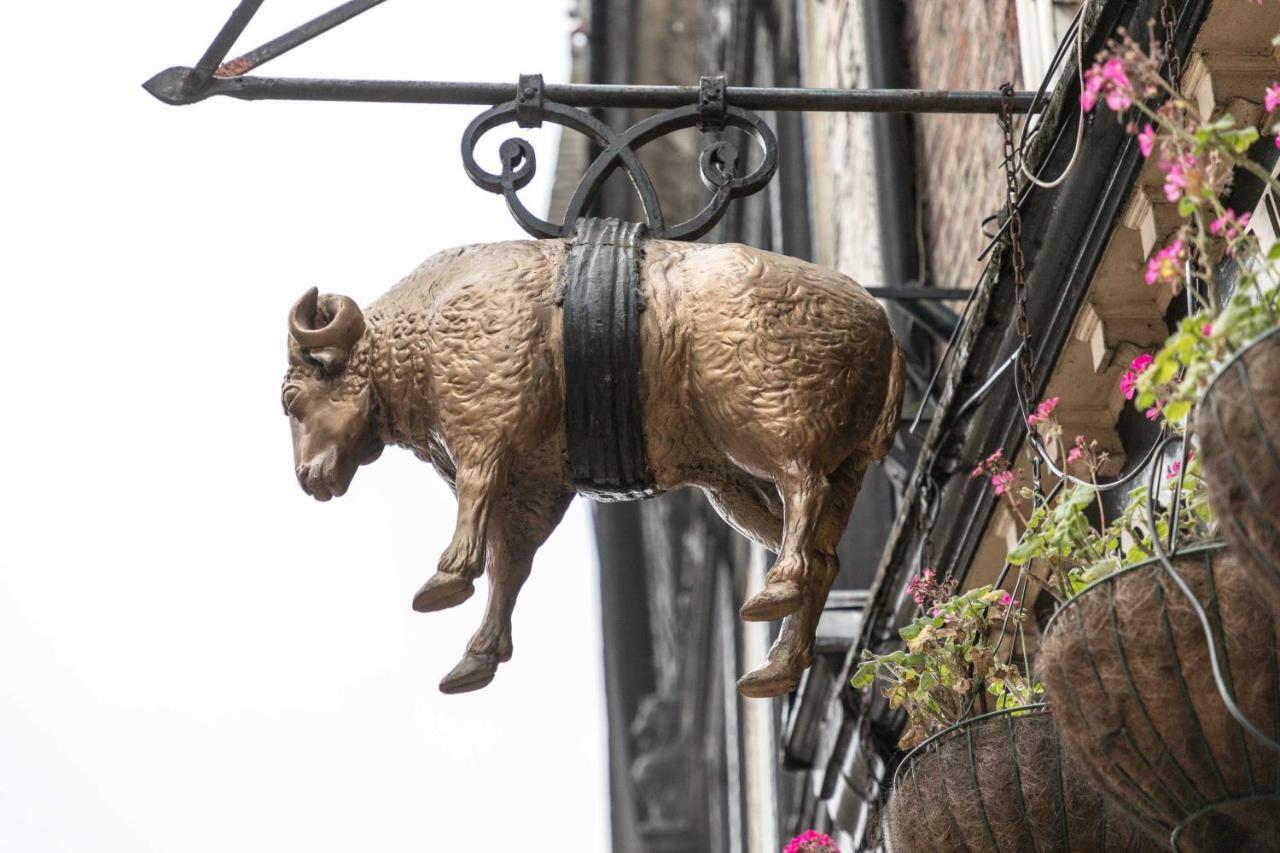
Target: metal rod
221,45
913,293
169,87
245,63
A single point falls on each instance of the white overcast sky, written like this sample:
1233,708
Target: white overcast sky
195,656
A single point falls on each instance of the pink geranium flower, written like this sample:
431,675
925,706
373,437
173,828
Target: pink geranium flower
1181,177
1271,99
920,586
1165,266
1129,381
811,841
1008,600
1147,140
1109,81
1073,455
1229,225
1000,483
992,463
1043,412
1175,181
1093,83
1119,93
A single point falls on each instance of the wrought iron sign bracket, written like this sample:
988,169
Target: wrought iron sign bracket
712,107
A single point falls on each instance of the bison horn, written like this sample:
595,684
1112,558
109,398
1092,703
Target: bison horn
326,327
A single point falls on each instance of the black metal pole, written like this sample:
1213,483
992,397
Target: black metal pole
246,62
907,294
172,87
220,46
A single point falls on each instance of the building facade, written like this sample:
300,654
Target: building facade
891,200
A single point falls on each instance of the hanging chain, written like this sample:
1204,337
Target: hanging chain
1025,358
1169,23
1173,64
1015,241
924,521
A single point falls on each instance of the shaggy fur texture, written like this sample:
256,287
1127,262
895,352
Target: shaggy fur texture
1000,784
1238,424
1126,666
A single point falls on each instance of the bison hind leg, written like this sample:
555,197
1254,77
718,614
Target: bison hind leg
792,652
804,494
473,672
747,504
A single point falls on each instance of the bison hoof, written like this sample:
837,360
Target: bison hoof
768,681
471,673
776,600
441,591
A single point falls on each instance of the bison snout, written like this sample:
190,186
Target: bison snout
319,478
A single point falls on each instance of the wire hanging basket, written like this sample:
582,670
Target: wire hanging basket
998,782
1238,424
1129,668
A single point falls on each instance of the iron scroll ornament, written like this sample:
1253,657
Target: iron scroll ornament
718,163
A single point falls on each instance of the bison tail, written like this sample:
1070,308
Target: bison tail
891,415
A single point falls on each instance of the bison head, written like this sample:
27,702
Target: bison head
327,394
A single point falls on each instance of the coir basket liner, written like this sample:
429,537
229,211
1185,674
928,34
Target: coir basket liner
999,783
1126,666
1238,424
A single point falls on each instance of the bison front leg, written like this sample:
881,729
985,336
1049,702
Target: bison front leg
517,530
477,484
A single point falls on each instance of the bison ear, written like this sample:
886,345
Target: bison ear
330,358
326,328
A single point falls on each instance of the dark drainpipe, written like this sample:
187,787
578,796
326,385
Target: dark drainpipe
893,156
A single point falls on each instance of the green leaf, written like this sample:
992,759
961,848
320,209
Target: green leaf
1241,139
1166,370
1079,496
1099,570
1177,411
865,674
1029,548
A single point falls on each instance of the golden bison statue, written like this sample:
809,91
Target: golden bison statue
767,382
